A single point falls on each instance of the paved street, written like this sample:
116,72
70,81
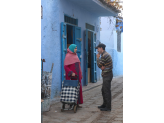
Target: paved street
90,113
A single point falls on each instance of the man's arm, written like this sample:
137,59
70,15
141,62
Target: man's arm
100,62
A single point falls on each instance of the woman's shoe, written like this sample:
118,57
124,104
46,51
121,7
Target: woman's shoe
79,106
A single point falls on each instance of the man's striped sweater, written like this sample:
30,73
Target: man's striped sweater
106,61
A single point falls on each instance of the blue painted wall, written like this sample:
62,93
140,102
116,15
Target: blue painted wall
83,17
53,15
108,36
50,43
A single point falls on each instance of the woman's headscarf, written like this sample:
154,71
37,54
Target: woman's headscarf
71,57
72,47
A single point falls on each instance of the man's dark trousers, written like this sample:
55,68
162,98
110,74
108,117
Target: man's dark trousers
106,90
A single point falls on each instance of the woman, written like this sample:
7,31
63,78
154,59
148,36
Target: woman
72,68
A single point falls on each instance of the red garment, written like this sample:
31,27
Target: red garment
70,58
75,68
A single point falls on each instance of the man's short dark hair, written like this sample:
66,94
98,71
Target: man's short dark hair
101,45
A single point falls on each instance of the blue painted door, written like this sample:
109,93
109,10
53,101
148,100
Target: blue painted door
93,58
86,56
63,46
77,40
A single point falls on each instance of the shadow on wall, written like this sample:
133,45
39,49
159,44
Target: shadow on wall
117,58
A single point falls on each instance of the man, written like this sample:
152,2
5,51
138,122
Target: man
106,65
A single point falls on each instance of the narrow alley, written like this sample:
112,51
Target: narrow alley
90,113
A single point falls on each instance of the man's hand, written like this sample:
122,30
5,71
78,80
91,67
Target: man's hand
73,74
98,55
103,67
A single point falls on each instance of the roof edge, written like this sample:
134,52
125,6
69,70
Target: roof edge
113,8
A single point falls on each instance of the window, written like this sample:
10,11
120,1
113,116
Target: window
70,20
119,41
90,27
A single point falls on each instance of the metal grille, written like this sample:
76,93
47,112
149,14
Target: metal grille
70,20
90,27
119,41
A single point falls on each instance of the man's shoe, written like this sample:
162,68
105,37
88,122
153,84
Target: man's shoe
102,106
105,109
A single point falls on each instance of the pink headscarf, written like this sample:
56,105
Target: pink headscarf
70,58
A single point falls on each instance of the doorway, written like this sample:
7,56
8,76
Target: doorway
70,34
90,61
89,55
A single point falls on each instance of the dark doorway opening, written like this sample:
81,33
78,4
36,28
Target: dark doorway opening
69,35
89,55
